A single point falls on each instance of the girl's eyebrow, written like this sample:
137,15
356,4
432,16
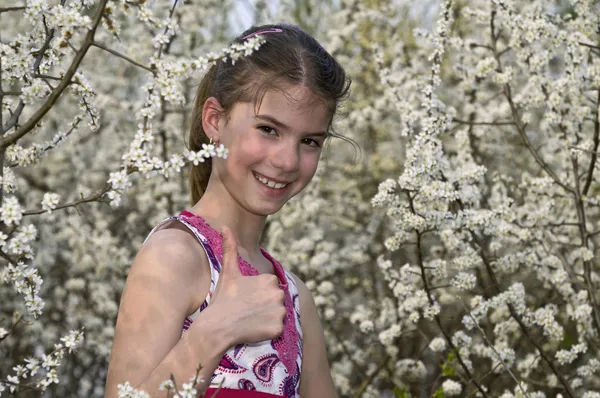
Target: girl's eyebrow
282,126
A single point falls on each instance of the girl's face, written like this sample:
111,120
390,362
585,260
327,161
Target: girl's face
274,149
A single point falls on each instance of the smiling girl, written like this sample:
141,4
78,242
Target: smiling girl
201,289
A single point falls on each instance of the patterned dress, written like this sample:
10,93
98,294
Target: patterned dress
271,367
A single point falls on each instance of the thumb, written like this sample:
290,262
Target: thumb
230,253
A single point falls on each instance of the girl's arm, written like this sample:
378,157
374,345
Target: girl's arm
315,377
167,278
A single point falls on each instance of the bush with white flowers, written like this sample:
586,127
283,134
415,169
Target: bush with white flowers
456,255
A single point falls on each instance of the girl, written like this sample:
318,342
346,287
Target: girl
260,336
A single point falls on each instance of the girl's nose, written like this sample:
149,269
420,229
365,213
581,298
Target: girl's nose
286,157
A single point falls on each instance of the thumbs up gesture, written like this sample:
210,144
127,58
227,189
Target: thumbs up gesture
250,307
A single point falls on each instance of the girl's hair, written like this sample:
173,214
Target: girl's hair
288,55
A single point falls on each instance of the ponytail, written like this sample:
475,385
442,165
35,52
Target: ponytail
200,174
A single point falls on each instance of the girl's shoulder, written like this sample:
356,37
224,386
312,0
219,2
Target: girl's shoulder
174,255
173,238
304,294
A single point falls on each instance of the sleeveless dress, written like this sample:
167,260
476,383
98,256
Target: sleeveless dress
266,369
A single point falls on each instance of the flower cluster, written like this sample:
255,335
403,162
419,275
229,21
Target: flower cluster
44,364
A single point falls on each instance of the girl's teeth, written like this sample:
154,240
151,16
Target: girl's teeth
270,184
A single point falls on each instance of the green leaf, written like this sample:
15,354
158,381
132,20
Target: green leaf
401,393
451,356
567,342
448,370
439,393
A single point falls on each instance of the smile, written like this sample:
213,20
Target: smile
269,183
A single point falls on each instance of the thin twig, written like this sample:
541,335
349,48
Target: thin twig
583,232
589,45
592,166
420,262
7,9
162,47
520,128
483,123
370,378
122,56
515,315
91,198
345,349
525,139
43,76
507,368
13,327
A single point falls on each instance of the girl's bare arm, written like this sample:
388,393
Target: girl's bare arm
168,275
315,378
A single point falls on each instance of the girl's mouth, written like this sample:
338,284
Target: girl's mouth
271,188
271,184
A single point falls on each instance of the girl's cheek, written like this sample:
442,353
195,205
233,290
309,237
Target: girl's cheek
310,161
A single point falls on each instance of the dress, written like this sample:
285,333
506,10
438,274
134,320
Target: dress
271,367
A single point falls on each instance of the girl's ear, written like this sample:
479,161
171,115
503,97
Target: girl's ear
211,115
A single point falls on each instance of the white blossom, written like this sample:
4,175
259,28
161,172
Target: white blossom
50,201
438,344
451,387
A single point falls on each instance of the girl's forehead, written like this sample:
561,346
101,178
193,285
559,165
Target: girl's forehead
296,106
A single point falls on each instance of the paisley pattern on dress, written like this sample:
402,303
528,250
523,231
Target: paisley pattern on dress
289,385
246,385
228,365
271,366
263,368
238,350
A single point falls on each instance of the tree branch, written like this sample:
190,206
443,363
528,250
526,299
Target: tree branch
14,326
520,128
507,368
7,9
345,349
483,123
583,232
56,93
369,379
91,198
590,173
432,301
523,327
589,45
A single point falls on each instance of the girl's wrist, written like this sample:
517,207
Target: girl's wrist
215,331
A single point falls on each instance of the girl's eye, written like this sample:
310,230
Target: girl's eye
267,130
311,142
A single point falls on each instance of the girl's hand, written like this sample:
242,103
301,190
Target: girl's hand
249,308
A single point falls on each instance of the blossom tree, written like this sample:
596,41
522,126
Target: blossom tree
454,254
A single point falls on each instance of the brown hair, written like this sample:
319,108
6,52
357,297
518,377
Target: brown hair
289,56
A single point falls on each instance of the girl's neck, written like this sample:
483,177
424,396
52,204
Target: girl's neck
220,209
